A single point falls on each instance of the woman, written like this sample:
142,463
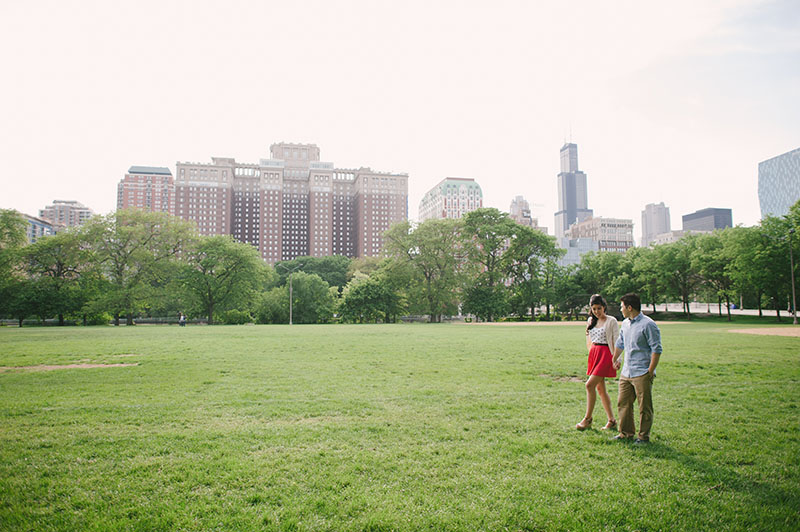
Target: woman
602,331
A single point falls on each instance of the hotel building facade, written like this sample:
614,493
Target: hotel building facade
452,197
292,204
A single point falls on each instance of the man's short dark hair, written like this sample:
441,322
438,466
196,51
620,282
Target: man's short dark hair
633,301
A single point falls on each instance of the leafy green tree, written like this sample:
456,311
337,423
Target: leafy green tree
772,254
710,259
675,264
12,238
273,306
137,251
54,265
488,232
221,274
526,259
434,251
646,275
486,301
368,299
312,300
570,296
333,269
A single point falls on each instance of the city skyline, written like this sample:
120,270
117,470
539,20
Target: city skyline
683,117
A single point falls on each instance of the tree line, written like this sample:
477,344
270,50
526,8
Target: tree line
133,264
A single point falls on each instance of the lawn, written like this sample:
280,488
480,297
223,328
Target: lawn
388,427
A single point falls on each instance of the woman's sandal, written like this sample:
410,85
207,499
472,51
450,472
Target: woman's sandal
584,424
610,425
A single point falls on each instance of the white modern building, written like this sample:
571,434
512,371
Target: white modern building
779,183
452,197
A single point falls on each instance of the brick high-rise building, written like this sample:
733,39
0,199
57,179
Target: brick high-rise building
151,188
67,213
292,204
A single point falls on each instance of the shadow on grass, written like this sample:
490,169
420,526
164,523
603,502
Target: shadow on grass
716,476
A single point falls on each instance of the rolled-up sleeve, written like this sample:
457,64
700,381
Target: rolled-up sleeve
654,338
620,342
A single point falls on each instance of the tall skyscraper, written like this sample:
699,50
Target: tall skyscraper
292,204
67,213
151,188
779,183
655,221
708,220
573,203
452,197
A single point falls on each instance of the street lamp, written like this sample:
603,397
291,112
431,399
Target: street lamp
791,265
291,271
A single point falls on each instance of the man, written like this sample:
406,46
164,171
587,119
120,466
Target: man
640,338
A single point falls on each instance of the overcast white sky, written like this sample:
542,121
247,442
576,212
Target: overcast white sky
668,101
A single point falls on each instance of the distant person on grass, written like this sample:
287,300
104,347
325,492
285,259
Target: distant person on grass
601,332
640,338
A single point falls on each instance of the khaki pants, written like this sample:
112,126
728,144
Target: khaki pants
639,388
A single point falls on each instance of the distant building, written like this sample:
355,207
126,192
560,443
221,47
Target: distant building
452,197
572,192
708,220
37,228
673,236
68,213
292,204
520,212
655,221
576,248
779,183
611,234
151,188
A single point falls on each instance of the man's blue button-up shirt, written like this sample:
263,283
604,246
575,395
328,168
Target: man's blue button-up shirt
639,337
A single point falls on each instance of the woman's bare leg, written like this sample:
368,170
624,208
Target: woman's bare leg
605,399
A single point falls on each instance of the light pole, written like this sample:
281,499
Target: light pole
291,271
791,265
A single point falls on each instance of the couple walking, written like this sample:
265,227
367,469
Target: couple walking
640,339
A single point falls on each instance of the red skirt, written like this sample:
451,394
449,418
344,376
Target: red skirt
600,362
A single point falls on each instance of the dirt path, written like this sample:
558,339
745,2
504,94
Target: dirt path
771,331
65,366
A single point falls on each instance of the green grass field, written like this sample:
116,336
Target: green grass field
389,427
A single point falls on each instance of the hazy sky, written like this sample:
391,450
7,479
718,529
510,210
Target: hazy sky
668,101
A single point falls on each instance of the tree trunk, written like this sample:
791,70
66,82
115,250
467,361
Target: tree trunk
719,301
210,310
129,319
116,319
20,322
61,320
728,306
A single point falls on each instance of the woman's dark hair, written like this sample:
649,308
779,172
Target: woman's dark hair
596,299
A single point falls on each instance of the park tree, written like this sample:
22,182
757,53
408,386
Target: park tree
526,259
434,251
54,265
312,301
772,254
221,274
646,275
333,269
570,295
369,299
137,251
12,239
711,259
675,264
487,235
